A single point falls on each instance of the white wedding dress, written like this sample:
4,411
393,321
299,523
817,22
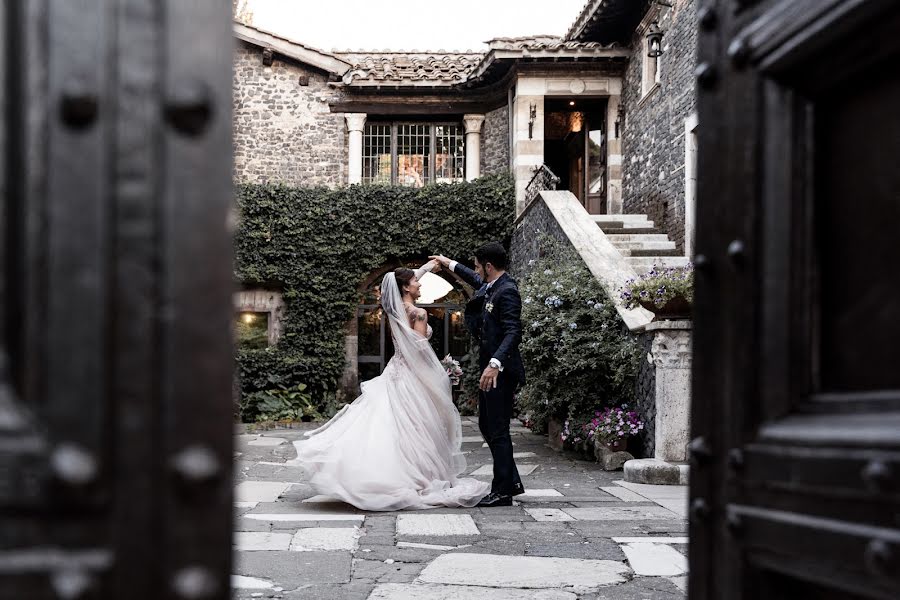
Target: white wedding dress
397,446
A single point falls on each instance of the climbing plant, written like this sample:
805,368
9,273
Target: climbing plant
317,244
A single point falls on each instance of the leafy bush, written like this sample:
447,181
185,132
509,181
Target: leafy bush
279,404
658,286
577,352
317,245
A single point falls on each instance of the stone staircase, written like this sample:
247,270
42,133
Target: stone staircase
641,244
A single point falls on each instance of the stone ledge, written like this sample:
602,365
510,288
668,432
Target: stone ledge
655,472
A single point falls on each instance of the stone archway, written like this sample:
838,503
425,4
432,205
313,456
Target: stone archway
368,347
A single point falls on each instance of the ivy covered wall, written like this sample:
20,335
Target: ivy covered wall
316,245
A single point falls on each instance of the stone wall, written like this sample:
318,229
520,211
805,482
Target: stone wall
653,137
284,131
495,142
644,444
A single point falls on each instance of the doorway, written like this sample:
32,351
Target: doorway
575,148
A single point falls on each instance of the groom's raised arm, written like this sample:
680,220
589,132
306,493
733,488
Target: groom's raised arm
467,274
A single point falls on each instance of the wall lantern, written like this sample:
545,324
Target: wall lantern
654,40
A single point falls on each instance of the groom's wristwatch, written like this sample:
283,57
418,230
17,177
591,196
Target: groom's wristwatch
496,364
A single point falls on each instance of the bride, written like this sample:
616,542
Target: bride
397,446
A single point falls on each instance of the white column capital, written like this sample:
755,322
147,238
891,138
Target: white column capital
473,123
355,121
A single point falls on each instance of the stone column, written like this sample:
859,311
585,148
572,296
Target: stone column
613,157
473,145
528,133
355,124
670,352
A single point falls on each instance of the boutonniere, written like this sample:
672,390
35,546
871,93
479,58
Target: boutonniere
489,307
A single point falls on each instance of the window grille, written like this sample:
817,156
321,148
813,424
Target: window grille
413,154
449,158
377,153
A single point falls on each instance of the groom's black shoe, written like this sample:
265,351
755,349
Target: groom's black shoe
518,489
495,499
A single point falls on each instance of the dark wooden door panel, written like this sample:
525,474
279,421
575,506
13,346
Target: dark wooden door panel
115,299
795,487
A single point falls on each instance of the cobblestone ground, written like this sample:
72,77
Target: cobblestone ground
579,533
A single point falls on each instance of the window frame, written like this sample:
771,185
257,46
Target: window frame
432,147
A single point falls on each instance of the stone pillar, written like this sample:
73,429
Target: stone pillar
349,387
670,352
613,157
473,145
355,124
528,142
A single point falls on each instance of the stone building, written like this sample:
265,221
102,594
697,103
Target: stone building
605,114
612,123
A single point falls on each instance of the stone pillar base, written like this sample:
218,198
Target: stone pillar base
656,472
609,460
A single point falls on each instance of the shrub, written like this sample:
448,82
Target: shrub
578,354
658,286
317,244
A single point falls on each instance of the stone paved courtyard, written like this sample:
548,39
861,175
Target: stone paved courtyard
579,533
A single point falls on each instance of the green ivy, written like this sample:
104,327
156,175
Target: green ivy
317,245
578,355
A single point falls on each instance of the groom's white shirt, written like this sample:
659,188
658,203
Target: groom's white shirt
493,362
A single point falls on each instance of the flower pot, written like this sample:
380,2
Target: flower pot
675,308
618,445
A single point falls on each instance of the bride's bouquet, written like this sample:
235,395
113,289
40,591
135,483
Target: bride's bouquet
454,371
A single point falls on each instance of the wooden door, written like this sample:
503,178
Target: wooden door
115,310
795,483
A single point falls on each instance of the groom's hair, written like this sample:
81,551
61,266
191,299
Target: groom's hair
493,253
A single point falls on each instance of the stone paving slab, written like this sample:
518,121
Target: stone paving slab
258,540
641,588
436,524
488,470
336,559
648,558
319,539
462,592
267,441
291,570
524,572
617,513
259,491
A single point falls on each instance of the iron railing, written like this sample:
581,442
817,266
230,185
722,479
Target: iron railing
543,180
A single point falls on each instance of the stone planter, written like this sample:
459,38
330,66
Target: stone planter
554,430
676,308
610,460
619,445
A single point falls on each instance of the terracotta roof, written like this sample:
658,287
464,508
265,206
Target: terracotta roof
423,68
415,68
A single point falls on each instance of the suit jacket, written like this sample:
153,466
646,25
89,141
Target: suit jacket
494,317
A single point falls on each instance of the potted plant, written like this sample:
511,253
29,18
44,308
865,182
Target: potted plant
613,426
668,293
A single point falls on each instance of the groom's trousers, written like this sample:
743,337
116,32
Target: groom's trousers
494,413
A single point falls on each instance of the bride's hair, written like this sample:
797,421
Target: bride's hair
404,277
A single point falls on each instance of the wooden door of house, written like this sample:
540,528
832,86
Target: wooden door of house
115,308
795,484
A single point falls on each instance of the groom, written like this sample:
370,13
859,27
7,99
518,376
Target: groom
493,317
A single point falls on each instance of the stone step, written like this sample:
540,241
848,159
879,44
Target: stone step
642,264
663,244
629,230
619,218
629,225
656,252
646,237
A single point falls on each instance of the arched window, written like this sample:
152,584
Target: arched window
445,315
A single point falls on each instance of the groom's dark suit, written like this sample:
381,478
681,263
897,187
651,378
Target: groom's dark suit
494,318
